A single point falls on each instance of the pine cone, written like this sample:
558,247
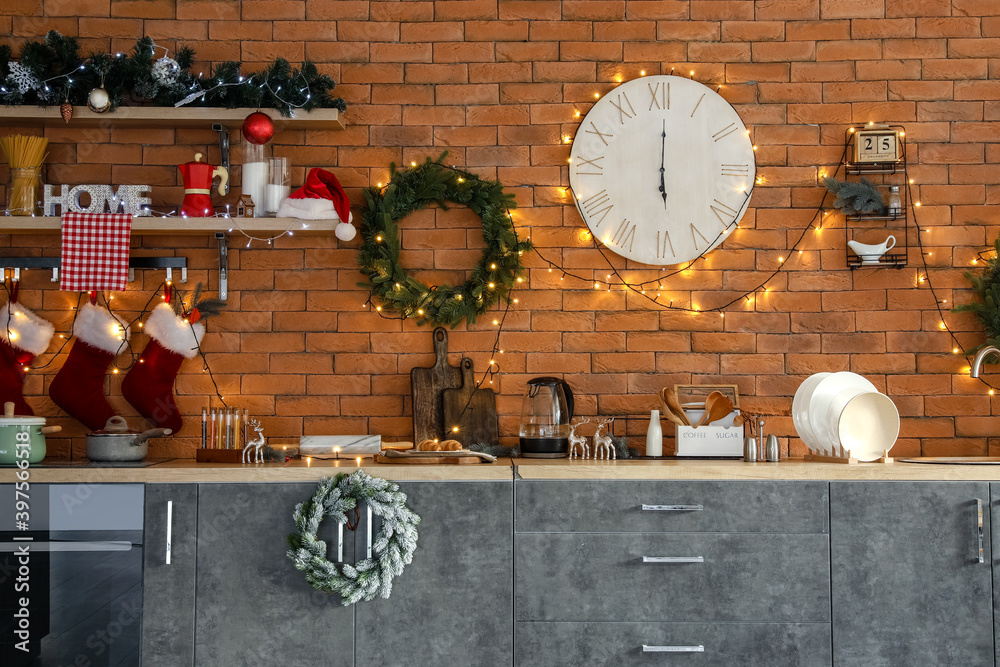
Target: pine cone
66,109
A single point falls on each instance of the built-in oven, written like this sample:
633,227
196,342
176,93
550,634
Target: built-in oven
70,574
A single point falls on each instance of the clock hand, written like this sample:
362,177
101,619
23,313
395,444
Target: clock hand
663,145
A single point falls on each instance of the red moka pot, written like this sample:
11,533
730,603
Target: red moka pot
198,177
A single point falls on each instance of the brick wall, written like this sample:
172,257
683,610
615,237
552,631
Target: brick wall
496,83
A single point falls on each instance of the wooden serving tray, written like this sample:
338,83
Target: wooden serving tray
428,460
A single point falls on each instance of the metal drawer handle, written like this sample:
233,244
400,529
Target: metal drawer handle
673,559
170,529
673,649
979,510
673,508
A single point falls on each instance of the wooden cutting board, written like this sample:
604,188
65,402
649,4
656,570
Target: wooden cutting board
428,460
479,423
426,385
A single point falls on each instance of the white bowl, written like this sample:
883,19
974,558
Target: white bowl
800,410
868,426
819,405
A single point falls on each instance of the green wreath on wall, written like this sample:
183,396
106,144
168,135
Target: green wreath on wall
986,286
409,190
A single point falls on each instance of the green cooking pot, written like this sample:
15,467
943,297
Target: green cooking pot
28,432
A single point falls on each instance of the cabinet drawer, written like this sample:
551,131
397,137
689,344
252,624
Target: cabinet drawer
671,506
602,577
621,644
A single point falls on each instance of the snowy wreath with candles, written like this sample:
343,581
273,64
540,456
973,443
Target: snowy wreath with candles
392,548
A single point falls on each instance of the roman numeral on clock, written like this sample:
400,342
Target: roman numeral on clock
735,170
624,234
597,204
725,214
659,95
593,165
725,132
622,114
697,104
662,244
694,232
599,134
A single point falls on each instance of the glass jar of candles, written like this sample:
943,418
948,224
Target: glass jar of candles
278,184
254,176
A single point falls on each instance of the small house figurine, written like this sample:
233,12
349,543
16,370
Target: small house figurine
244,207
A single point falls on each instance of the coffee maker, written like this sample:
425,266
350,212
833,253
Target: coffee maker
546,411
198,177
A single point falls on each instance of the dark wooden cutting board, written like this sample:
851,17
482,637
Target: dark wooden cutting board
479,423
426,385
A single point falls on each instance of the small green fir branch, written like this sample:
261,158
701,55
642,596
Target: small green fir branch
489,281
986,286
856,197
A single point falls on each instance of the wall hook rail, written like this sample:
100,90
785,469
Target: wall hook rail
16,264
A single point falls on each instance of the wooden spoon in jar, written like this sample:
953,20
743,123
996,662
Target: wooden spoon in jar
672,409
717,406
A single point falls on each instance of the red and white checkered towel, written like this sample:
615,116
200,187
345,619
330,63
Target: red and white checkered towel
95,250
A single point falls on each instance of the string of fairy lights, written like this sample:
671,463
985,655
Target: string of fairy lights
163,292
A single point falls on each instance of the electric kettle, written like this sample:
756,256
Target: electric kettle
546,412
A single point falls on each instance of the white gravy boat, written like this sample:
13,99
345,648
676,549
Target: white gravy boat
870,254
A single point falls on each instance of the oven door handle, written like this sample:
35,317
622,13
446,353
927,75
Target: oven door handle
18,547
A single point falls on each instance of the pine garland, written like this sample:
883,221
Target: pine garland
392,548
856,197
491,279
137,79
986,286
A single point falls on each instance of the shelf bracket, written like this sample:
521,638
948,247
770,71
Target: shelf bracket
223,148
55,263
223,265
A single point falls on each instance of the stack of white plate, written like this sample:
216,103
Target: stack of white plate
840,414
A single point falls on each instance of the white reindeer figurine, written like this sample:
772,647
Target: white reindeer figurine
603,447
578,441
257,443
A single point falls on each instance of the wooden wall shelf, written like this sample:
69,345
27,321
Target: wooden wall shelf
155,225
24,116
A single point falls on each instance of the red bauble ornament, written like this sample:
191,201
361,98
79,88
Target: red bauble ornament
258,128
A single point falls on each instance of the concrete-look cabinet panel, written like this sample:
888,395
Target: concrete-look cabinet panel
994,518
603,577
907,585
723,644
254,607
169,588
452,605
616,506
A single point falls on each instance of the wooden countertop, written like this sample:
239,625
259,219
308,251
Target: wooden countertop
189,471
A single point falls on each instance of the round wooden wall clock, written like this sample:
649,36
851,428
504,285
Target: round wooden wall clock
661,169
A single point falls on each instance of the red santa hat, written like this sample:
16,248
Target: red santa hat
321,197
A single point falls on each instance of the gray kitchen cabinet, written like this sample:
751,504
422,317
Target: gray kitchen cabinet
697,572
994,518
452,605
645,644
254,607
907,585
169,587
720,577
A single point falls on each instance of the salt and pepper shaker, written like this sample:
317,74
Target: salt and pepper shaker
772,451
750,449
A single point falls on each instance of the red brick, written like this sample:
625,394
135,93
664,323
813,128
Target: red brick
686,31
888,69
735,10
955,69
951,27
921,90
851,9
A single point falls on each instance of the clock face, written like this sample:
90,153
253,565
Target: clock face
661,169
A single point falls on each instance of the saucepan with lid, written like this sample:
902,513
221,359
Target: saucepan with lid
115,442
26,431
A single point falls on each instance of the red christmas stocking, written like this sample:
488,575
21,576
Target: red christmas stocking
149,385
78,387
23,336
